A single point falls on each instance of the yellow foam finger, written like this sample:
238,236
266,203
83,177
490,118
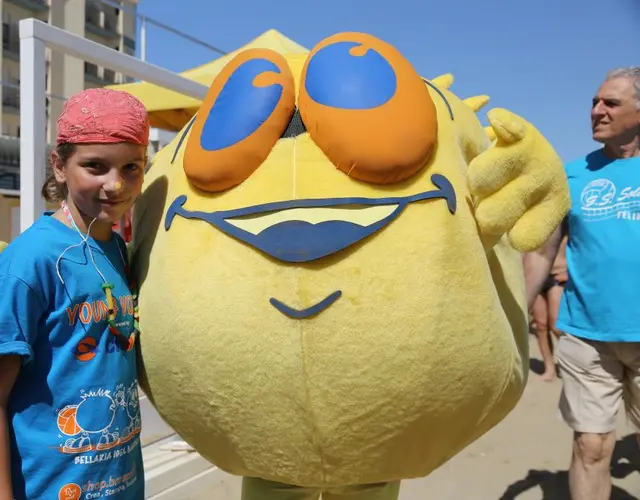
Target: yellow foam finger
491,133
493,169
498,213
508,127
538,223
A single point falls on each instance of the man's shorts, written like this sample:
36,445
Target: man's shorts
597,377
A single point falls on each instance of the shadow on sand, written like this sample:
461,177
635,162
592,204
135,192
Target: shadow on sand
555,485
537,367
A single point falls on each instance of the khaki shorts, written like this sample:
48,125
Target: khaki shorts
596,378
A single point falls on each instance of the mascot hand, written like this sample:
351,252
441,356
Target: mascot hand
3,245
519,185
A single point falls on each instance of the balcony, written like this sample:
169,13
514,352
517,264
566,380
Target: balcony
92,73
10,162
101,23
109,76
11,98
129,43
10,41
32,5
9,155
9,180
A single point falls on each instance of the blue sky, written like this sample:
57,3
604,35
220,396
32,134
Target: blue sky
540,59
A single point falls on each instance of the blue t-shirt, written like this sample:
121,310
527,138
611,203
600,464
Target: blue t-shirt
601,300
74,416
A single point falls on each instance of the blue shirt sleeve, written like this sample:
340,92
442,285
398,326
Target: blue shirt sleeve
20,312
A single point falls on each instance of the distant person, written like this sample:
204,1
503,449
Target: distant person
599,350
545,312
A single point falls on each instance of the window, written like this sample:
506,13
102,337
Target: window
5,35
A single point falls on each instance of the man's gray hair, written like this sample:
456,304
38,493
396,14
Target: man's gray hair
631,72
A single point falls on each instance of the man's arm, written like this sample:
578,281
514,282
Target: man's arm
9,369
538,264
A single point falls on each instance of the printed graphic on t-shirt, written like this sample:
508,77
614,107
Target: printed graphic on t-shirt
98,311
99,489
101,421
102,426
601,200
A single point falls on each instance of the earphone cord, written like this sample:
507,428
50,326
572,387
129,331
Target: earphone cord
85,239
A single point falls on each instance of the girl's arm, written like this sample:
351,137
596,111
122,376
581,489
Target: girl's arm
9,369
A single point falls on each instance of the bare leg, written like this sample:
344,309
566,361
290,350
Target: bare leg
590,476
541,315
554,296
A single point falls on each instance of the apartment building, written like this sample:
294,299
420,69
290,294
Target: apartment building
92,19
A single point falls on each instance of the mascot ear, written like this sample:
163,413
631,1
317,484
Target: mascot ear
243,115
367,108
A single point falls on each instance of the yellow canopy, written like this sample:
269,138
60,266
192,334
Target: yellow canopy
170,110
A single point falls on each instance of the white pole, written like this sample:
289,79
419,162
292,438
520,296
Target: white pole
143,38
82,48
33,142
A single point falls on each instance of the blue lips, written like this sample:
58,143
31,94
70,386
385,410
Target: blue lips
299,241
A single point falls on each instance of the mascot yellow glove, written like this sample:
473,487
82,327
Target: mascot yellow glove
3,245
519,184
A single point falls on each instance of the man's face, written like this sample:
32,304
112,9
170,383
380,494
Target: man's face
615,117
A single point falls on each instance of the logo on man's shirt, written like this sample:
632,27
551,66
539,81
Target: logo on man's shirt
600,200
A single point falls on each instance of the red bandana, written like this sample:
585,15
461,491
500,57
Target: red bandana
103,116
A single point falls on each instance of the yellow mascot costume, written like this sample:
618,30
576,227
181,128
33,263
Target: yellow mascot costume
332,295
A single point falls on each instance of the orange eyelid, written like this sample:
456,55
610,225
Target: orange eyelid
231,138
386,143
266,79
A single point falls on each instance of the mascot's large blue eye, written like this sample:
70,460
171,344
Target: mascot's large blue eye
339,79
241,107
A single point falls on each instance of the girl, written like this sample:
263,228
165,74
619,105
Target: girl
69,418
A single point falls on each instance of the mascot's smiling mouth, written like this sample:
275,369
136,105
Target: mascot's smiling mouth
304,230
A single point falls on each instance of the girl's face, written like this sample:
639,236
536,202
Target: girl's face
103,180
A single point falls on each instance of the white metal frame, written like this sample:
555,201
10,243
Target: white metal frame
35,35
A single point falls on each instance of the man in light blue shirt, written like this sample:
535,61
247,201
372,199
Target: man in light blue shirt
599,349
